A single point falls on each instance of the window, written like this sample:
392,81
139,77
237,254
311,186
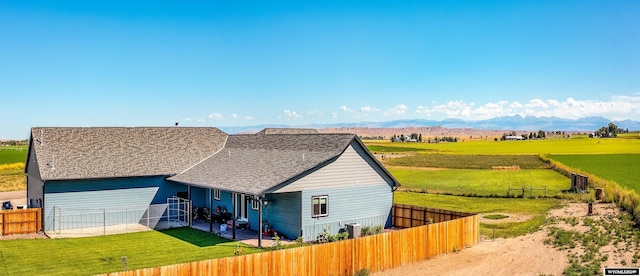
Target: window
320,206
216,194
255,204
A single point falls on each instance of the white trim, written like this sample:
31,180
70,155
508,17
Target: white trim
255,204
320,214
216,194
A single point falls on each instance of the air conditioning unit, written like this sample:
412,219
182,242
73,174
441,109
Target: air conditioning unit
353,229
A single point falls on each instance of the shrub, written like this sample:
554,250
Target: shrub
364,231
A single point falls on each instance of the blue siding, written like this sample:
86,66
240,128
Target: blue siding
368,206
200,198
83,199
283,213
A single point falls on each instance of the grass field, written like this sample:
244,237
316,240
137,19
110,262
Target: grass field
551,146
621,168
10,155
534,207
480,182
12,177
86,256
458,161
470,173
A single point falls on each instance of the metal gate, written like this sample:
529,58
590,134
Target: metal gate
179,210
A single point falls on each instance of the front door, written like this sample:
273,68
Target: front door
242,206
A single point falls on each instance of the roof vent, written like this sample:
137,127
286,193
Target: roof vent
41,140
52,164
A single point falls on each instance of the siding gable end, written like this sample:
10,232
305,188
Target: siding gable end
352,168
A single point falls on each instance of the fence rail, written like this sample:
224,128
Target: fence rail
525,188
20,221
375,253
86,222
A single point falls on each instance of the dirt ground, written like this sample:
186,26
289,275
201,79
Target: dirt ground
524,255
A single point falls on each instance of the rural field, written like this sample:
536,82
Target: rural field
476,176
12,168
622,168
478,169
578,145
10,155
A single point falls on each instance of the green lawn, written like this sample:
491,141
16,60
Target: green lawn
10,155
84,256
538,208
479,182
621,168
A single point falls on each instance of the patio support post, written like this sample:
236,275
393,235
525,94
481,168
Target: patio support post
260,222
190,207
210,211
233,217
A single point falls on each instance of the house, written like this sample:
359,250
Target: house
298,181
513,137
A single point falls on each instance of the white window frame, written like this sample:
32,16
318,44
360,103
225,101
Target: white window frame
255,204
320,214
216,194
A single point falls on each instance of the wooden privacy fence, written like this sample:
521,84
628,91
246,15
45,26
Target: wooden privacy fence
375,253
405,216
20,221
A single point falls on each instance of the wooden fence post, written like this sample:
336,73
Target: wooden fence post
411,216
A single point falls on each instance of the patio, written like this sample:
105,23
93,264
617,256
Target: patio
247,236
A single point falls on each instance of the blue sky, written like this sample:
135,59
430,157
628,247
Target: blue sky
239,63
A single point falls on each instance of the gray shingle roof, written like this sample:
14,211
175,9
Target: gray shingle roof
254,163
105,152
205,157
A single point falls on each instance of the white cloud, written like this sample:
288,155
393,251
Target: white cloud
397,110
368,109
234,116
454,109
215,116
249,118
516,105
334,115
346,109
423,110
536,103
616,108
291,114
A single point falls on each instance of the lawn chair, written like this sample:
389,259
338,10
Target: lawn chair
206,214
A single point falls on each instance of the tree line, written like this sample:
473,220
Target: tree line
610,131
5,143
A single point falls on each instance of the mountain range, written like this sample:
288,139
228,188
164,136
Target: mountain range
511,123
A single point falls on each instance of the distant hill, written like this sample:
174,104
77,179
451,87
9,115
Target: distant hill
457,127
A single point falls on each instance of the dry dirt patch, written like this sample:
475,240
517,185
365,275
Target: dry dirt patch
528,254
509,218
